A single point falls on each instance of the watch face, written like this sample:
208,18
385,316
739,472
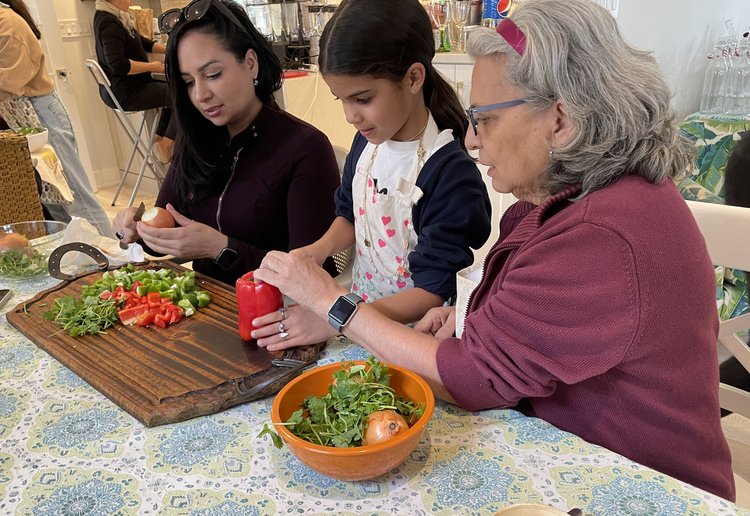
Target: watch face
342,309
227,257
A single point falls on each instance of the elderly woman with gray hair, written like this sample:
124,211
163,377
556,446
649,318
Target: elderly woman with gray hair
582,317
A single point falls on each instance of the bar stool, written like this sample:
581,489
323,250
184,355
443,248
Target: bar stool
145,149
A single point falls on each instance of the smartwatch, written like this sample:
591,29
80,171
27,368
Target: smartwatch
343,310
227,256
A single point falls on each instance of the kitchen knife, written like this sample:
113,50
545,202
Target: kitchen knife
136,218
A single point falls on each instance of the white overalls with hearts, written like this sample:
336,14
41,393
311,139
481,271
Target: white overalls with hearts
384,191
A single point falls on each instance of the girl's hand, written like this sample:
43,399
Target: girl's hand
439,322
189,240
302,327
125,226
300,278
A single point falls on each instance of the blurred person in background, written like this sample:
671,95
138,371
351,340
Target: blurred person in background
122,54
24,81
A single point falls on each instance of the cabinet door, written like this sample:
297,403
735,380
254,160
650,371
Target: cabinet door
448,71
463,82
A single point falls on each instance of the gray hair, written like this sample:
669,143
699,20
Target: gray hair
615,95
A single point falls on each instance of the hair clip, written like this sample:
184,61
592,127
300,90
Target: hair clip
513,35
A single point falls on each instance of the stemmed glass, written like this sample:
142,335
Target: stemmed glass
460,11
439,11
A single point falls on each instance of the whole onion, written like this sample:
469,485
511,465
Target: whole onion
383,425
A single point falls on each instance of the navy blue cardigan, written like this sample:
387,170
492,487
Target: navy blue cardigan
452,216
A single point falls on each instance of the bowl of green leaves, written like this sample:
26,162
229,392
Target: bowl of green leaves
36,137
25,248
352,420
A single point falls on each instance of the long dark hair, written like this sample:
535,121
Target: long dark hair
201,158
384,38
20,9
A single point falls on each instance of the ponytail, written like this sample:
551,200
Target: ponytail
443,102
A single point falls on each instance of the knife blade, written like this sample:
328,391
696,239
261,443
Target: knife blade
138,214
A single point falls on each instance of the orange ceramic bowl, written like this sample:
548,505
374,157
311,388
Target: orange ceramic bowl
361,462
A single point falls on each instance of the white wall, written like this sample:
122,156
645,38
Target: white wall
681,33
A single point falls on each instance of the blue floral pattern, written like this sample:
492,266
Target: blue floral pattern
212,446
629,498
12,405
201,502
67,449
6,466
628,493
65,429
65,492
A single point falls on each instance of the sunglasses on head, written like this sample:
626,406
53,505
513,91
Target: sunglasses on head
195,10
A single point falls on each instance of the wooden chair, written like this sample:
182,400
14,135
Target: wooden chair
726,230
19,198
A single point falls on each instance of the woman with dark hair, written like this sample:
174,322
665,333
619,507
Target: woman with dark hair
245,177
581,317
122,53
412,201
28,97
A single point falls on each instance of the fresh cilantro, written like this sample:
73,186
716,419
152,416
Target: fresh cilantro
339,418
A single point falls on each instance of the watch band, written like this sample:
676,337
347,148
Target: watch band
343,310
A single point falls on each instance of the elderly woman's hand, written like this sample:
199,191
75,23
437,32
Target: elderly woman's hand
300,278
301,327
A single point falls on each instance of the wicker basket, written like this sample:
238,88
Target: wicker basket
19,199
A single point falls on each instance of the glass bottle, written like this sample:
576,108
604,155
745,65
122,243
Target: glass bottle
707,100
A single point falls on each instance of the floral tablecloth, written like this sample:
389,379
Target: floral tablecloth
65,449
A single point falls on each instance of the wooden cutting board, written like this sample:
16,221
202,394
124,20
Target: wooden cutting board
195,367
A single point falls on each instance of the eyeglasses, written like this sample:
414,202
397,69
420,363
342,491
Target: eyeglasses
195,10
481,109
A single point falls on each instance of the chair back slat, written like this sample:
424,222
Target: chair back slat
726,230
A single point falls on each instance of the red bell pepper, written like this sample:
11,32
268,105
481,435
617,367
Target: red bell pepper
254,300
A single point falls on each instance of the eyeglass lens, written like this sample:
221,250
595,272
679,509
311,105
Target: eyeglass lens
470,113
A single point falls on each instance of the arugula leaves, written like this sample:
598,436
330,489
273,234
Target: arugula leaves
339,418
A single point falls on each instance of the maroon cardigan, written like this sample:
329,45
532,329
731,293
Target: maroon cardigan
281,195
599,316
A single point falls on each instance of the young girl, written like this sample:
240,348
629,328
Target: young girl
412,201
246,177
